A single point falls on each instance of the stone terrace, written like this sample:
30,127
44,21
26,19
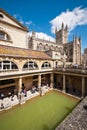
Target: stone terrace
77,119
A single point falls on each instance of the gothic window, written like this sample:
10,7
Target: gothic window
40,47
71,52
52,48
46,65
46,47
57,49
4,36
8,65
30,65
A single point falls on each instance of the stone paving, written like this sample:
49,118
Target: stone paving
77,119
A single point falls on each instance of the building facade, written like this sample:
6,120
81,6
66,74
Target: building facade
32,61
60,50
85,56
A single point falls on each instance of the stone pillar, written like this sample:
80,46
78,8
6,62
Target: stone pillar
10,65
83,86
2,65
64,83
51,80
20,84
39,81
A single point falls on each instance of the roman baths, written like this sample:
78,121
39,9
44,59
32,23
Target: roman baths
43,84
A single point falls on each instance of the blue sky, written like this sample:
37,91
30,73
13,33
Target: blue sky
42,16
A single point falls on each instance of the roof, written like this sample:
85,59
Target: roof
12,18
21,52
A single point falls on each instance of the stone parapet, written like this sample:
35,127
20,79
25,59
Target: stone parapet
77,119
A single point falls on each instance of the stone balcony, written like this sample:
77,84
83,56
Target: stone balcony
23,72
71,70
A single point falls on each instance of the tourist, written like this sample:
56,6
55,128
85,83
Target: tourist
12,97
40,90
2,106
2,96
25,92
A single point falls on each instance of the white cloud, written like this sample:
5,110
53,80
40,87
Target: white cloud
28,22
77,16
20,19
42,35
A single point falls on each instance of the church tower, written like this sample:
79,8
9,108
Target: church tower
77,50
62,35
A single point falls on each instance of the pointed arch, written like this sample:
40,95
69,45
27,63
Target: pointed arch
40,47
46,47
52,47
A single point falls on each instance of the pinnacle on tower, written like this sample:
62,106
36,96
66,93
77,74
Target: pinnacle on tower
55,30
66,28
80,39
62,25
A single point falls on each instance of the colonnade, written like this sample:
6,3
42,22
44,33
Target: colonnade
20,82
83,85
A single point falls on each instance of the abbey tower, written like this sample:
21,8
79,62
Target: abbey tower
62,35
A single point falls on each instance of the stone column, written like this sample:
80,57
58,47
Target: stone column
51,80
10,65
64,83
39,80
83,86
20,84
2,65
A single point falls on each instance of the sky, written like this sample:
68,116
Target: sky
43,16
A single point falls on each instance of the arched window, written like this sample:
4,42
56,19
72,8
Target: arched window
56,56
30,65
8,65
51,47
46,47
56,48
71,51
46,65
40,47
1,15
4,36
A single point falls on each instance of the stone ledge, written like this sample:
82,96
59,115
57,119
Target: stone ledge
77,119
